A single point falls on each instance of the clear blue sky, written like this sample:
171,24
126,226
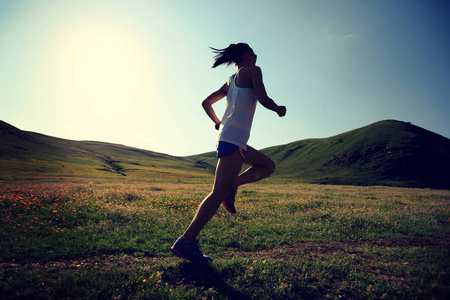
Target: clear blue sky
135,72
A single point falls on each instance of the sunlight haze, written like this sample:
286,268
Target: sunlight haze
136,72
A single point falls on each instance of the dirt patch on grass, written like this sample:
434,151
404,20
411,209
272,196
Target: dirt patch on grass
104,261
349,247
310,249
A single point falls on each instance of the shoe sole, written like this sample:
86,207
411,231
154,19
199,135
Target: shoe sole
227,208
194,261
178,254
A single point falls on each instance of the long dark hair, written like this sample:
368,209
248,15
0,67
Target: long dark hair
230,55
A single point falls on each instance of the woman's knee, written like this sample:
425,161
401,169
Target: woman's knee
265,167
270,167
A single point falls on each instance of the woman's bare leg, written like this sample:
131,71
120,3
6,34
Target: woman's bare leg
227,170
261,166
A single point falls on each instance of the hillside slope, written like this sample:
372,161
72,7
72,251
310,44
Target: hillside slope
25,154
384,153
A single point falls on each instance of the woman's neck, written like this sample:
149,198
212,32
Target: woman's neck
239,66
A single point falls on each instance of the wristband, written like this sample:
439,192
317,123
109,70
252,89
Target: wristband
217,126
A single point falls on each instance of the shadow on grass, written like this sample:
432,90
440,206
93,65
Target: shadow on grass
204,277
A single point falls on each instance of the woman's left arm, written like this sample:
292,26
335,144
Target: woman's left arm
213,98
261,94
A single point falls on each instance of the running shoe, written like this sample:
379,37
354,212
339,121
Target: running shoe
229,202
189,250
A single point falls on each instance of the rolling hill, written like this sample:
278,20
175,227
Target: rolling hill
26,154
384,153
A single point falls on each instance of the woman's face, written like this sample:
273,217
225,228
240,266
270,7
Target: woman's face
251,56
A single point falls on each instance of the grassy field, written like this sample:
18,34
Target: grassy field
111,240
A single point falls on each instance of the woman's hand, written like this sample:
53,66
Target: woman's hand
281,111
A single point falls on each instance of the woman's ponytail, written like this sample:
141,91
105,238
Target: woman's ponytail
231,54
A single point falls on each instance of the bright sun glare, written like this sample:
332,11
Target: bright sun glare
97,68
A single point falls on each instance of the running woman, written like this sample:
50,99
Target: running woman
242,90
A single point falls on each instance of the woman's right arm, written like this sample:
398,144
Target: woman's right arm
213,98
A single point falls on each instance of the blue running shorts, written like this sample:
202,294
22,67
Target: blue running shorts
224,148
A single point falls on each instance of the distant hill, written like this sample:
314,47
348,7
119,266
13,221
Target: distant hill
26,154
385,153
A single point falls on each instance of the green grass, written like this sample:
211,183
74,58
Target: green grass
288,241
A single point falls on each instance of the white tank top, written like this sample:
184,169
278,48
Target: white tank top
237,120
